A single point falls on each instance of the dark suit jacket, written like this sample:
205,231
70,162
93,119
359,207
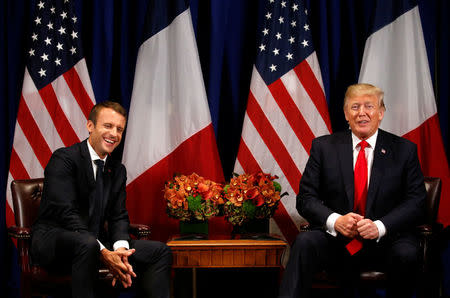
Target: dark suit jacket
396,193
69,186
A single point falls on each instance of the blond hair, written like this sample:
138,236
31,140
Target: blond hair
365,89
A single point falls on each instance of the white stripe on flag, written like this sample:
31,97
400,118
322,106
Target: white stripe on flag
83,73
278,121
70,107
238,168
395,60
313,62
26,154
268,164
306,107
40,114
9,201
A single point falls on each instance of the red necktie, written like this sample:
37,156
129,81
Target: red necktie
359,206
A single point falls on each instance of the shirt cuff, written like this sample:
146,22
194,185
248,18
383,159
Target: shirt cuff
381,229
121,243
101,245
331,220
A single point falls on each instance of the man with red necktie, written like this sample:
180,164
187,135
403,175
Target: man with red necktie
363,193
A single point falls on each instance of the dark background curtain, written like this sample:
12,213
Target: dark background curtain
226,37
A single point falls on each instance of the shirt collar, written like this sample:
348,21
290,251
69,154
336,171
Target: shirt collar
93,154
371,141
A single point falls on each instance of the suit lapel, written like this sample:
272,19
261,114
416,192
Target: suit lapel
89,174
87,165
380,154
345,153
107,172
107,182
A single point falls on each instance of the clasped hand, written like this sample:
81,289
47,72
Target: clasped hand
118,265
353,224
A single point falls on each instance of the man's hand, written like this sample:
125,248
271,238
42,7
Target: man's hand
117,263
347,224
125,253
367,229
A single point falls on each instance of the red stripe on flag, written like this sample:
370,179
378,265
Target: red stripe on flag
286,224
33,134
145,197
292,114
433,160
16,167
79,92
273,142
10,220
314,90
430,148
281,216
246,159
62,125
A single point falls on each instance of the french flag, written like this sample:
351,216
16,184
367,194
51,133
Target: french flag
395,59
169,128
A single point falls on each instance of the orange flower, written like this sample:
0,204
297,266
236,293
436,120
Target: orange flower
250,196
181,187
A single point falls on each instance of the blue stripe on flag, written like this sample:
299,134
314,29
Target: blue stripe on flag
284,40
160,14
387,11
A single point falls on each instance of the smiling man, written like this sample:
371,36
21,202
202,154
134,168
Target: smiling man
84,192
363,193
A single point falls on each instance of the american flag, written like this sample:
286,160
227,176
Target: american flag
286,106
56,94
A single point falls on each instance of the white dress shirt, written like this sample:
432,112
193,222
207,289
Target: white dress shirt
94,156
331,220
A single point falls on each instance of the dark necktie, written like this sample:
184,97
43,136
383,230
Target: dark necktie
96,215
359,204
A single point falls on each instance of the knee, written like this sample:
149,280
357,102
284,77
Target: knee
407,257
88,245
304,242
165,253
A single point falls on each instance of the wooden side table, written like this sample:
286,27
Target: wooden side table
222,252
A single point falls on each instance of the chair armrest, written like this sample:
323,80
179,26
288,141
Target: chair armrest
140,231
19,233
304,227
428,229
23,237
428,234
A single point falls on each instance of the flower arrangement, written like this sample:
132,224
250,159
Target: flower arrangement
251,196
192,197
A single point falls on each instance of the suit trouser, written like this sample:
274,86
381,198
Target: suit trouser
79,253
316,250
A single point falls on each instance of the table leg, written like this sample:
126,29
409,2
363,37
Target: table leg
194,282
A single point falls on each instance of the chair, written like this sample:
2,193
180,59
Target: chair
428,282
35,280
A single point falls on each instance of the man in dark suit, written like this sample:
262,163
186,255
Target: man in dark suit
362,207
81,193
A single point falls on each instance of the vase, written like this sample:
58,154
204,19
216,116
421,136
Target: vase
253,228
194,227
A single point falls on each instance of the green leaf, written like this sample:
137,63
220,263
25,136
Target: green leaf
249,209
225,189
194,203
277,186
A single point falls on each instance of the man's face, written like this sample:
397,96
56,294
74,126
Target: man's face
364,115
106,135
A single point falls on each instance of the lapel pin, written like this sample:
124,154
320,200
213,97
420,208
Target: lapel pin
383,151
